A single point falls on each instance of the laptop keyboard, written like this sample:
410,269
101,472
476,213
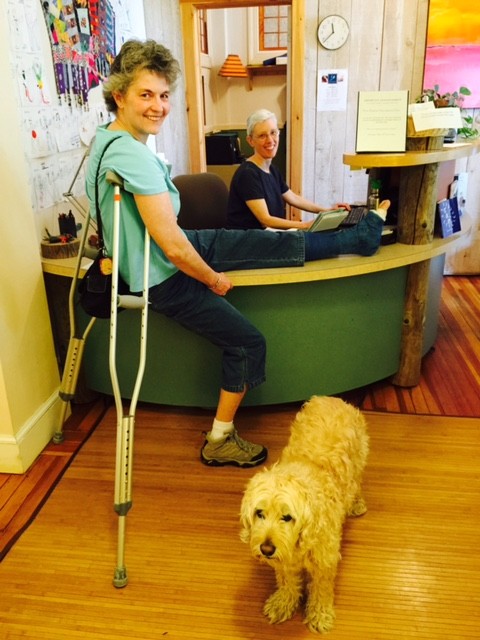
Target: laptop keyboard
354,216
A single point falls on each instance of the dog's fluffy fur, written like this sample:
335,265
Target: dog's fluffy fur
292,513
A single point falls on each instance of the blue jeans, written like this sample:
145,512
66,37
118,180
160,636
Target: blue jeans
363,239
195,307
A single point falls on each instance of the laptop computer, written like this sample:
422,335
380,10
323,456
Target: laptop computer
328,220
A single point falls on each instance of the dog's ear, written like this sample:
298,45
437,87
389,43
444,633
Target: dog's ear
245,535
253,497
307,527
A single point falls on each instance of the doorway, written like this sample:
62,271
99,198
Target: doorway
189,18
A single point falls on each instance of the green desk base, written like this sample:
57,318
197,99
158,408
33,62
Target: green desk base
323,337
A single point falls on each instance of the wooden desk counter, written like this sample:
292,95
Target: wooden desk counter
388,257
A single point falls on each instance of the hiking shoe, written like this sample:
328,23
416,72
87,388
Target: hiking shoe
232,450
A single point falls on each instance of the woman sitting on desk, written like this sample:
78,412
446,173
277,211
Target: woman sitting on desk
258,193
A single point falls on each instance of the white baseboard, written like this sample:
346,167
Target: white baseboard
18,452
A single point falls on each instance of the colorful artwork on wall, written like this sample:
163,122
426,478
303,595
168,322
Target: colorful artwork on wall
82,37
453,48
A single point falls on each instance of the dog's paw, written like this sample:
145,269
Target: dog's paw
280,606
321,620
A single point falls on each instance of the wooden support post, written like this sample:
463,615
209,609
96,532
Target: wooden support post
416,221
417,202
408,374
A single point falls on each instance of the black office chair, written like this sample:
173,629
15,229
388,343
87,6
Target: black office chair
203,201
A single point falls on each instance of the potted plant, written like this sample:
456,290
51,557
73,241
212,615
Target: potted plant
453,99
468,130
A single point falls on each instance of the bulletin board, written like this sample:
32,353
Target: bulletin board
82,39
60,52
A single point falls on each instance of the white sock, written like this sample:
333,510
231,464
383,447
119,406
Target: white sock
380,212
220,429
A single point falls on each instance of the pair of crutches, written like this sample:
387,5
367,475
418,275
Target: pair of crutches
125,423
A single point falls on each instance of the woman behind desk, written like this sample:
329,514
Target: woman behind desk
187,280
258,192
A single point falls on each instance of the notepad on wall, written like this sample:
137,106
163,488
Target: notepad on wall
382,121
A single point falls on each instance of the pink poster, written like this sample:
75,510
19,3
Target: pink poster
453,48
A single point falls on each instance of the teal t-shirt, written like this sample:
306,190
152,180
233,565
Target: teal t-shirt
142,173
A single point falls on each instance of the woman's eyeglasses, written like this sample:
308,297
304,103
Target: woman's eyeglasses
274,133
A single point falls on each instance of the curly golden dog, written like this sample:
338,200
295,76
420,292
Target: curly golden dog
293,512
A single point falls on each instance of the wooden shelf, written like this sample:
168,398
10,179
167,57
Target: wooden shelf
411,158
265,70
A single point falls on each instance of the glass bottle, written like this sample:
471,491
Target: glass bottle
373,199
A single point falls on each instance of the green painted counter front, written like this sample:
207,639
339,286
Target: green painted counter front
323,337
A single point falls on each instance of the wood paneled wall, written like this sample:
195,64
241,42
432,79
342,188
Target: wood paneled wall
385,51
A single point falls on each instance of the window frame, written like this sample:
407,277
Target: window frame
255,54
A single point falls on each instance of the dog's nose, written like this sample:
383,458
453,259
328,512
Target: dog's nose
267,549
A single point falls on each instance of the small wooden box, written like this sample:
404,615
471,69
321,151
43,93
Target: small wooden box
60,249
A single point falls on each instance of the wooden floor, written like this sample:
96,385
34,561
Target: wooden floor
410,566
22,496
450,381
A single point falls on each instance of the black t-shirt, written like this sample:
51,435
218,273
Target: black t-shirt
251,183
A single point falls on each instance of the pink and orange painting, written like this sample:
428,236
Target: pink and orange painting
453,48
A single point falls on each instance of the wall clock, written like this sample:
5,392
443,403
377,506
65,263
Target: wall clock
333,32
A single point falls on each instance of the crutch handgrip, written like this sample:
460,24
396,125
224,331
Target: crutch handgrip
114,178
131,302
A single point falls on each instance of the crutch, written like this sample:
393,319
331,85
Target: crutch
76,342
125,423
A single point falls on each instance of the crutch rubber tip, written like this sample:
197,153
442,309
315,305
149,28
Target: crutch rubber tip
120,578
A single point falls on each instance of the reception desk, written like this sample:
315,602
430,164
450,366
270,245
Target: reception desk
331,326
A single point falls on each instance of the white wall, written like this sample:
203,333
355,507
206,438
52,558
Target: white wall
163,25
29,376
229,101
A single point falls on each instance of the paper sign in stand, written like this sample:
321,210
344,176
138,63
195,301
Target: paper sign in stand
382,121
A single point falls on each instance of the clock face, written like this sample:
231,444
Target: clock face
333,32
